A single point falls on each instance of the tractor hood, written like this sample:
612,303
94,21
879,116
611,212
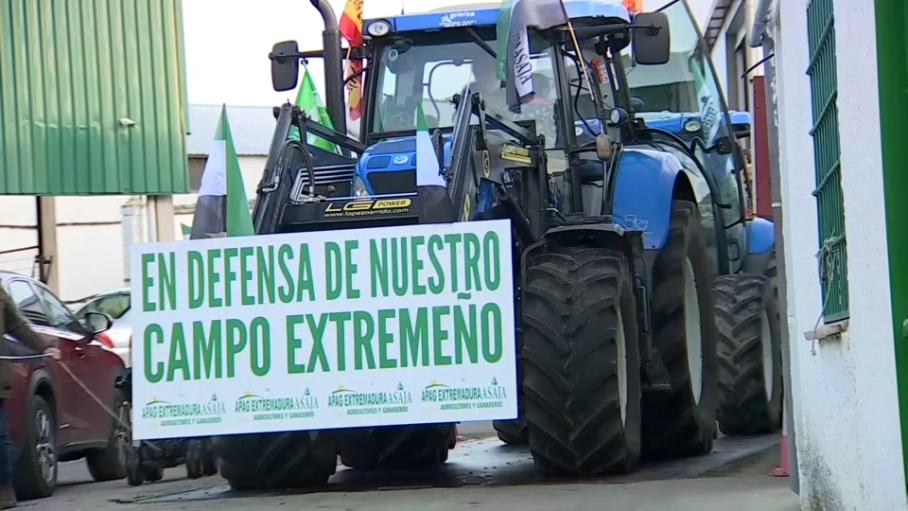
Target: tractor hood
390,165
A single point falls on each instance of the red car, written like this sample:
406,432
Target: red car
56,416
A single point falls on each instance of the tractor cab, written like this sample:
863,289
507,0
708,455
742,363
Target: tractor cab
431,61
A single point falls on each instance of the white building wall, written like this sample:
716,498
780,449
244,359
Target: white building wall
91,258
844,391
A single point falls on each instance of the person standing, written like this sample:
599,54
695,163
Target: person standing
13,324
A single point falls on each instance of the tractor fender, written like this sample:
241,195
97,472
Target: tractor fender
761,236
761,241
644,193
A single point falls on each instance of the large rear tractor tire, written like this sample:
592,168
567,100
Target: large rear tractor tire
396,446
581,367
276,460
682,421
750,355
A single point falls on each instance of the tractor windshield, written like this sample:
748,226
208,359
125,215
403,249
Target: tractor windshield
430,72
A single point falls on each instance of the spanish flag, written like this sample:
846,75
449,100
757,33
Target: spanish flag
633,6
351,27
351,23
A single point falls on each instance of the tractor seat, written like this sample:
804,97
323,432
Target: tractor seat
590,170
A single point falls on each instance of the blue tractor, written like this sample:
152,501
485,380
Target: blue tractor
645,313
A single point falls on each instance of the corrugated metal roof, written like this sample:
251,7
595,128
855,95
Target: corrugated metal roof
74,77
251,126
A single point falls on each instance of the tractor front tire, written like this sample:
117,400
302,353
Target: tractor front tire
396,446
276,460
750,355
581,367
512,432
682,421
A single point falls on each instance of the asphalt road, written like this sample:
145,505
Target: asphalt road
481,474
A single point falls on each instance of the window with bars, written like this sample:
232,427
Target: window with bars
833,263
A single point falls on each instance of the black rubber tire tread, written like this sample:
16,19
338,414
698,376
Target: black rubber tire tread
211,461
294,460
27,479
153,472
571,304
512,432
674,423
134,475
744,408
396,446
195,461
106,465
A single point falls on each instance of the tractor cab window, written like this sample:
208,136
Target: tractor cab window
683,97
429,72
582,101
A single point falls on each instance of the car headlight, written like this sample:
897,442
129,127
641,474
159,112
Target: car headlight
379,28
693,125
359,187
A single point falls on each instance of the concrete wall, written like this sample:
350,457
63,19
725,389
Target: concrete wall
845,403
90,235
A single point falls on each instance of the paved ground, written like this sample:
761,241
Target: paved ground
481,474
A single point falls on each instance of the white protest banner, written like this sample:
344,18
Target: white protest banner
384,326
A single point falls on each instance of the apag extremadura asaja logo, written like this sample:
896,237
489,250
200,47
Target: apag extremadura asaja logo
176,414
371,403
459,398
254,403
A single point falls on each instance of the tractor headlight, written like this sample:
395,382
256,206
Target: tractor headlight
359,187
693,125
379,28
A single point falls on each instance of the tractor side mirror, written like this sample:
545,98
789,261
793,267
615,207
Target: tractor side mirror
285,66
651,38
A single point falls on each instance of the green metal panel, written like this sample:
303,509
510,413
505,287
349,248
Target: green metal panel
825,133
72,73
892,66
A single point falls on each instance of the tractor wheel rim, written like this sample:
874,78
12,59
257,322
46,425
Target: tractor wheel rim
45,450
769,370
621,354
693,335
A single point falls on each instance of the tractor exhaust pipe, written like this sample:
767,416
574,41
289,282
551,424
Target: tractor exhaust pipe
334,71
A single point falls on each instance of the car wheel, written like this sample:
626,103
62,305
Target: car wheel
36,470
110,463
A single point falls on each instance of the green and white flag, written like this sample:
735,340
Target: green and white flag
222,207
310,102
428,172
